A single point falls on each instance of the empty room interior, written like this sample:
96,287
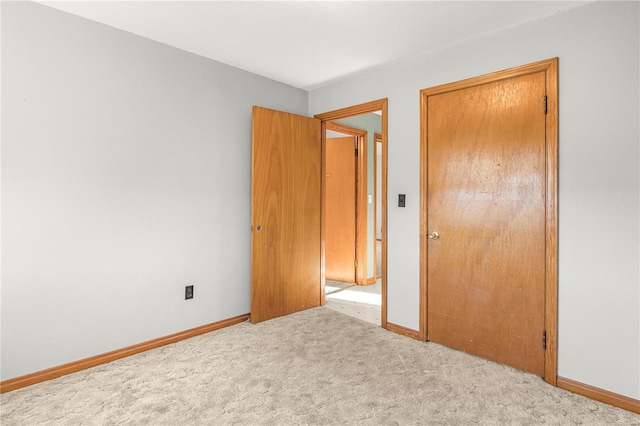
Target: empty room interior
320,212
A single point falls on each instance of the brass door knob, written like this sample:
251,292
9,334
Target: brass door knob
433,235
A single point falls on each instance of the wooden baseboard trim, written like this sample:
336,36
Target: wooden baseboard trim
83,364
601,395
402,330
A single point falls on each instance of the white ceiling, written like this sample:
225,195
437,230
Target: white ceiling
308,44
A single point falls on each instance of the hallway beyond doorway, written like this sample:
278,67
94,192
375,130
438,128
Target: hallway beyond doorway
361,302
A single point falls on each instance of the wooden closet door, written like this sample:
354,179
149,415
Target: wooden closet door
486,201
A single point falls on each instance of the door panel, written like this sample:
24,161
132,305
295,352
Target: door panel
486,199
340,232
285,209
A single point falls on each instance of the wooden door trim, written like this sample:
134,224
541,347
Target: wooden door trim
104,358
351,111
551,252
361,197
377,139
369,107
550,68
337,127
323,216
608,397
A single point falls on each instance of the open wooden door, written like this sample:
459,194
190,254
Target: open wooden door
285,214
340,199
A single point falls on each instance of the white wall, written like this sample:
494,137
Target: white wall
125,176
599,301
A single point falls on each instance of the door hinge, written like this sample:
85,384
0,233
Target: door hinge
355,263
544,339
355,146
544,101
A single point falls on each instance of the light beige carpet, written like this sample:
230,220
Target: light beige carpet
314,367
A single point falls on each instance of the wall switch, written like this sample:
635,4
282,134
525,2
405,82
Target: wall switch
401,200
188,292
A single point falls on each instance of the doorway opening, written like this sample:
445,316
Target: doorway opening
345,205
365,296
288,219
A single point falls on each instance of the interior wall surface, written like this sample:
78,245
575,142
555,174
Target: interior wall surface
126,175
599,274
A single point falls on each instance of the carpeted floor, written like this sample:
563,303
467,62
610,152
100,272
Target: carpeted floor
313,367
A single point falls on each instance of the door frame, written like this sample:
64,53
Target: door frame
377,139
550,68
361,196
365,108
